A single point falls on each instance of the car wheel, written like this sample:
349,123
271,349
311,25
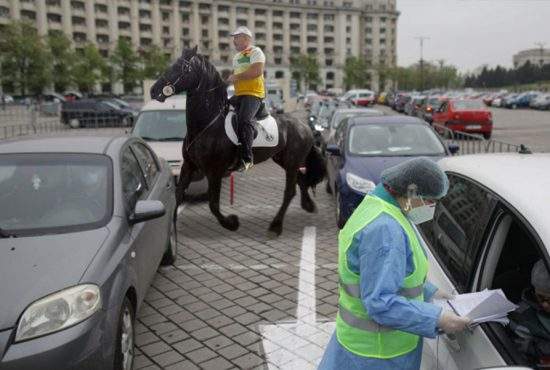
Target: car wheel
125,351
487,135
327,188
171,253
74,123
340,222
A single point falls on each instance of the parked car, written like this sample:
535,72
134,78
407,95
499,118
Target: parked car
123,106
401,101
276,103
95,113
541,102
412,107
471,116
85,223
520,101
362,147
164,127
487,233
427,109
504,100
362,98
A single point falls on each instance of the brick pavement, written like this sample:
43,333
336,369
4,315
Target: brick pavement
206,312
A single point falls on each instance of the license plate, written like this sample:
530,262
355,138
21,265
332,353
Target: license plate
474,127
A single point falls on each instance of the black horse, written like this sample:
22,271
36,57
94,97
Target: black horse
207,148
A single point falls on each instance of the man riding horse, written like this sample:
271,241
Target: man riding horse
248,78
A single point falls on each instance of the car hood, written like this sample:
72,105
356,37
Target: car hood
370,168
33,267
169,150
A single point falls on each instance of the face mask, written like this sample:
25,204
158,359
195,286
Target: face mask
421,214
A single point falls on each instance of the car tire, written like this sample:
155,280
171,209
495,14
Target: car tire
125,339
74,123
487,135
171,253
340,222
327,188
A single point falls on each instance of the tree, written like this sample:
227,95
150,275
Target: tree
356,73
155,62
306,68
126,65
89,69
26,64
63,59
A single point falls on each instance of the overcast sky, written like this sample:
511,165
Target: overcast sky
470,33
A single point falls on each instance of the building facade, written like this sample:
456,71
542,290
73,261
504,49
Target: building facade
534,56
332,30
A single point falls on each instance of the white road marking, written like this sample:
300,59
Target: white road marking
299,344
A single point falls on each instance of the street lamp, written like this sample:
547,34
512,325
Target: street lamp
421,39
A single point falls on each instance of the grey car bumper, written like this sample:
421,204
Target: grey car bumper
86,345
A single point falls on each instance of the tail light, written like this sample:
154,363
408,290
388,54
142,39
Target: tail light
457,116
429,109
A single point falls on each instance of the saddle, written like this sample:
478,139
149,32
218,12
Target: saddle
266,133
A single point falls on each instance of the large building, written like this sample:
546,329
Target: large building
330,29
534,56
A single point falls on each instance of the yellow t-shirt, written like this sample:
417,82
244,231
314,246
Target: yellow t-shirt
241,62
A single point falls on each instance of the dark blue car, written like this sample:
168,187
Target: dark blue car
363,147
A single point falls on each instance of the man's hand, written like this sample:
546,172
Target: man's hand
231,79
451,323
441,294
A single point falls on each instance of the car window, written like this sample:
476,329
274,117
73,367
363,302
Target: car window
394,139
162,125
147,161
468,105
133,182
455,232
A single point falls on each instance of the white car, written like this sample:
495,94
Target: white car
487,233
163,126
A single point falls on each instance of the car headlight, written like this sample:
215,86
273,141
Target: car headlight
359,184
58,311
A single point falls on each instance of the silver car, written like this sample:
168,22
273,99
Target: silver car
84,224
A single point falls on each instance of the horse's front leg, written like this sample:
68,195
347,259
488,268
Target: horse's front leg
230,222
186,174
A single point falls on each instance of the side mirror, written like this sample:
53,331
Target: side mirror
147,210
333,149
454,148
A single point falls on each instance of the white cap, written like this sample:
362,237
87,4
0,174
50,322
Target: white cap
242,30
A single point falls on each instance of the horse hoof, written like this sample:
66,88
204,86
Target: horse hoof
276,228
309,207
231,222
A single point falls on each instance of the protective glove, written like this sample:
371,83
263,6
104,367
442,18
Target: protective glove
451,323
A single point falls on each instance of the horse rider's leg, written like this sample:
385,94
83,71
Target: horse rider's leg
290,191
186,174
230,222
307,203
248,107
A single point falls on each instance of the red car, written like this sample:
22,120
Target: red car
466,115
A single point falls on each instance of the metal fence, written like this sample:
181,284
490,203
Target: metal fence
475,144
22,120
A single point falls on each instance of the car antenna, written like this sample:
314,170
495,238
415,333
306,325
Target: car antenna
524,150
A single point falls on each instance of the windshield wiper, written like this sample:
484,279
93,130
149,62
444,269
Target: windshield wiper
4,234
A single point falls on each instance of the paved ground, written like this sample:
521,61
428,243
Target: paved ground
233,298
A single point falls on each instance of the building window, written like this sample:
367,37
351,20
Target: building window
123,11
312,27
77,5
278,13
100,8
165,16
101,23
259,11
52,18
279,74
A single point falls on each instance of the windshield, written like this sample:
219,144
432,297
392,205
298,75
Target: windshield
394,139
469,105
54,193
161,125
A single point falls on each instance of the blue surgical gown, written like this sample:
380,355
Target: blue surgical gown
381,255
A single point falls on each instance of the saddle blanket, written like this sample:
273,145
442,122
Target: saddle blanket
268,133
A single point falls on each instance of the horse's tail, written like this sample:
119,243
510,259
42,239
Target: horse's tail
315,170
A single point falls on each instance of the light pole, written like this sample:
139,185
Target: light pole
421,39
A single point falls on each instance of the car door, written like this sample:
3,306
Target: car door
159,186
439,116
454,240
333,161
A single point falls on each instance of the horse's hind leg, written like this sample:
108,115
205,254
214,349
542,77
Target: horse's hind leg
290,191
230,222
307,203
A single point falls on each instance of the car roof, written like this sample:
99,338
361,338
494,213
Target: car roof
173,102
522,180
96,144
365,120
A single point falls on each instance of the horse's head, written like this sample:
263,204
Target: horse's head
179,77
